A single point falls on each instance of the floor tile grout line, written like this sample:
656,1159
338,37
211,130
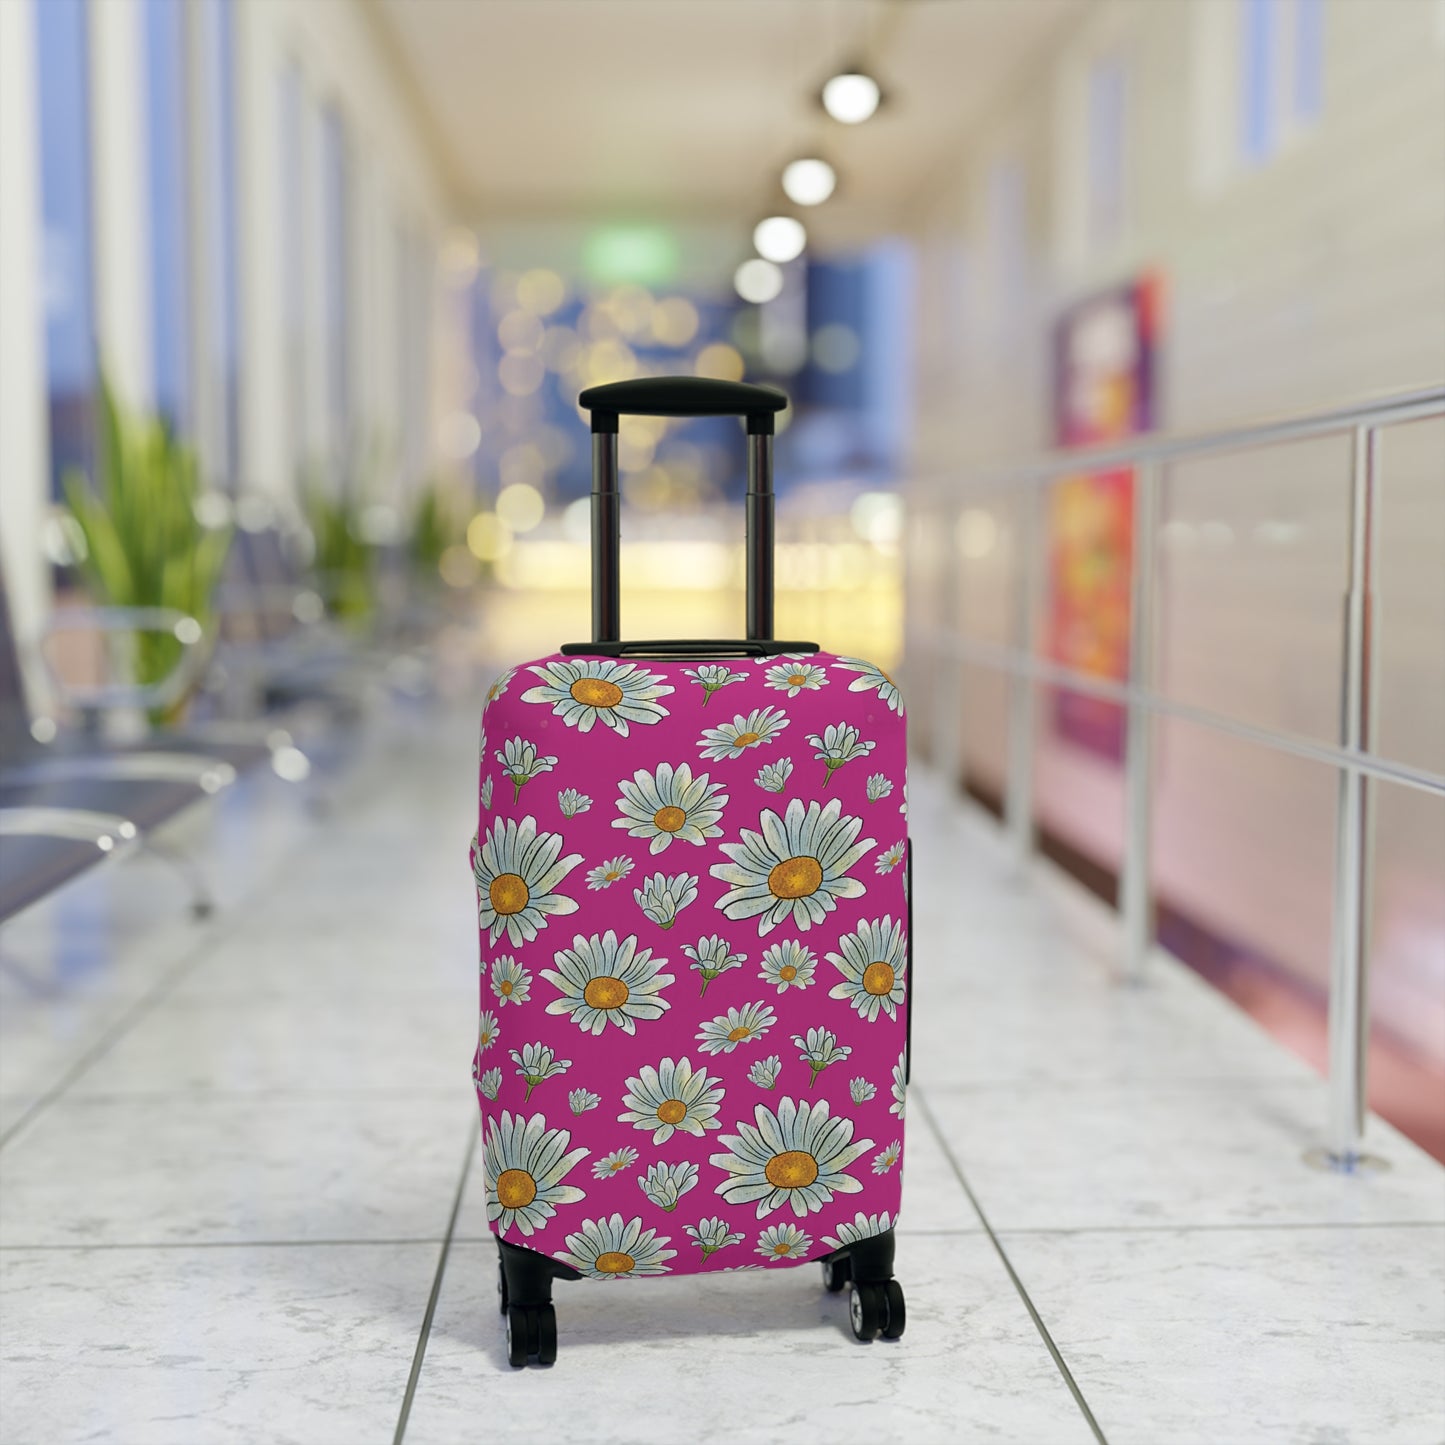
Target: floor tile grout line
1059,1362
431,1305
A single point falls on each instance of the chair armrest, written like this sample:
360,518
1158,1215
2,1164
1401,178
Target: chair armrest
210,775
110,697
105,830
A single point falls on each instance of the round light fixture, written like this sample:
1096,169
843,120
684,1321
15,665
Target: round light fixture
809,181
758,280
851,97
780,238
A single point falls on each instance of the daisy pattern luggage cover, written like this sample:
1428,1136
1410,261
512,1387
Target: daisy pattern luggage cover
691,882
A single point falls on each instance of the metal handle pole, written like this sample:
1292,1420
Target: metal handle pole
1349,1011
1135,901
606,540
1019,801
760,536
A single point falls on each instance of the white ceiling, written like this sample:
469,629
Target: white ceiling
685,110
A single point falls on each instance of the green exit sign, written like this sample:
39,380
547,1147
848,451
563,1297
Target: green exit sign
644,255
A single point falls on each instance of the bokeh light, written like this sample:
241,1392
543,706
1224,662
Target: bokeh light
520,506
488,537
720,361
758,280
674,321
836,348
520,331
809,181
877,517
780,238
851,97
520,373
541,291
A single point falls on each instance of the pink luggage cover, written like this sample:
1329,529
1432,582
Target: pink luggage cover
692,900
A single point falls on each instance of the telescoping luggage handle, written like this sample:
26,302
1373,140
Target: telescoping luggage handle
682,396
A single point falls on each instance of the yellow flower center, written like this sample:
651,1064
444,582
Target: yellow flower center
615,1262
795,1169
516,1189
594,692
673,1111
745,740
787,973
780,1248
737,1035
605,992
797,679
617,1165
669,819
795,878
878,978
506,989
612,876
508,892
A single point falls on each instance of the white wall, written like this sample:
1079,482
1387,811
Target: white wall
1312,278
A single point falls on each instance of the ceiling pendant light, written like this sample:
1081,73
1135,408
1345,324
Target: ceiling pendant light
780,239
851,96
808,181
758,281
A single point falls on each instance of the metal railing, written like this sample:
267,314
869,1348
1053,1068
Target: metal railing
1149,456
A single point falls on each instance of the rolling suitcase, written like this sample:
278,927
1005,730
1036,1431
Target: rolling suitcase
692,884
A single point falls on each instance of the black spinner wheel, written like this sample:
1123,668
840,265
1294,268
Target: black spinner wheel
501,1288
867,1310
546,1335
517,1341
897,1311
836,1274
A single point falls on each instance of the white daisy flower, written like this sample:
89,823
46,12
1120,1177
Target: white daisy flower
510,981
487,1032
837,744
487,792
874,964
610,1249
773,777
900,1088
819,1049
712,956
516,869
796,866
521,763
879,786
499,687
536,1063
861,1090
798,1157
603,981
903,806
738,1026
887,1158
584,691
864,1226
581,1100
669,804
672,1096
662,898
788,965
890,858
665,1184
571,802
795,677
784,1241
614,870
614,1163
710,676
523,1165
872,677
738,1268
711,1235
490,1083
764,1072
732,740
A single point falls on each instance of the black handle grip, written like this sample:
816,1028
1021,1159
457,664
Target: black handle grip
682,396
688,648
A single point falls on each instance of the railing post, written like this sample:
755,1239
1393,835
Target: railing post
1135,876
1019,800
1349,1004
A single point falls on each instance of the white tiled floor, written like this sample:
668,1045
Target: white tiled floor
237,1162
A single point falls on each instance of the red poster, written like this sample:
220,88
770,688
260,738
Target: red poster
1104,354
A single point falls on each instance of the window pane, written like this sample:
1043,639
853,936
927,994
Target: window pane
336,261
170,256
1257,38
222,363
70,361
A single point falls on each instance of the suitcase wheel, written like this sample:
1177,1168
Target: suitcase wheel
502,1287
531,1335
836,1274
876,1309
